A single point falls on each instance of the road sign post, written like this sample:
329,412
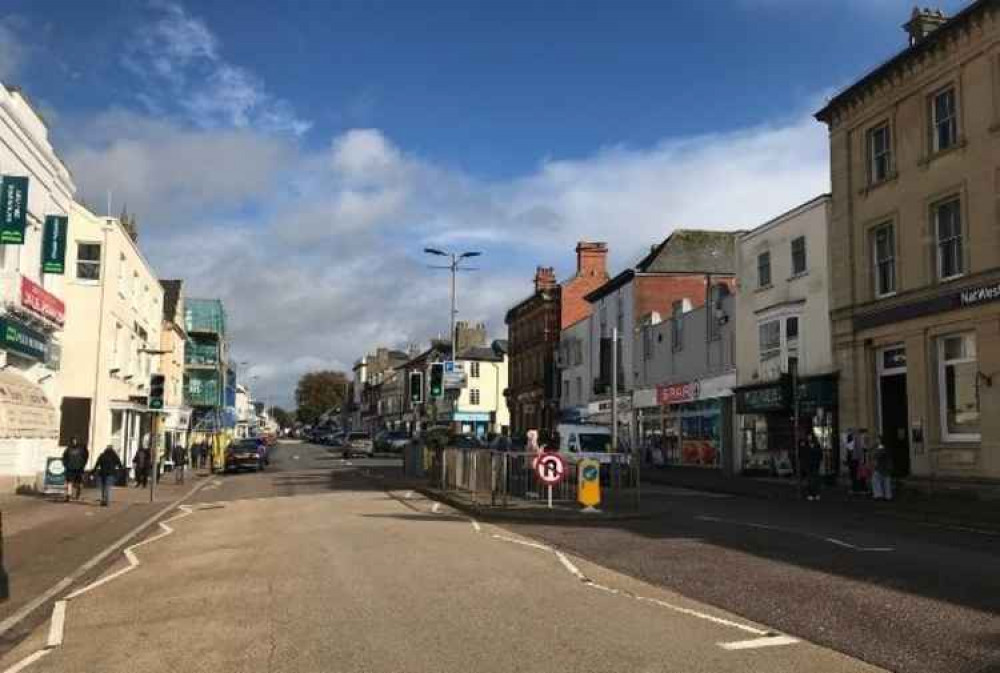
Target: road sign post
551,469
588,487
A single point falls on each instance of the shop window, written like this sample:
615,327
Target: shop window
770,339
948,225
884,247
764,269
88,261
958,380
798,255
792,329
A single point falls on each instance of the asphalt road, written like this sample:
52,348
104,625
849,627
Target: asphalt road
904,596
314,567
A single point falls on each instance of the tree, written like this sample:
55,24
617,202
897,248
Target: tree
281,417
319,392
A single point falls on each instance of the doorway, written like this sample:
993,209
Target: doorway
894,418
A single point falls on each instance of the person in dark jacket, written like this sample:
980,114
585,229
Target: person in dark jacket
75,459
180,458
141,463
108,464
815,465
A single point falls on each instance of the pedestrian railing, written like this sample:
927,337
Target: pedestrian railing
507,479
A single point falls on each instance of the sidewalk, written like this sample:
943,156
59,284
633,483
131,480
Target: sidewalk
45,538
915,502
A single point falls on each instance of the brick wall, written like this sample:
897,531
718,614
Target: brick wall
658,293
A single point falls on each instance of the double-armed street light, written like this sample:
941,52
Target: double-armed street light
454,265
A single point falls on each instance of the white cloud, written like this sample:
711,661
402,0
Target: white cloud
13,51
317,253
178,60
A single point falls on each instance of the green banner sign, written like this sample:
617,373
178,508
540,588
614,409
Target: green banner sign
23,340
13,209
54,244
764,398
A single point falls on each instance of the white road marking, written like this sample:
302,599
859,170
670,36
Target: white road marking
757,643
436,507
295,457
27,661
62,584
792,531
133,560
569,566
409,494
57,624
536,545
475,525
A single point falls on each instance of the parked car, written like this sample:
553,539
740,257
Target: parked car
245,454
358,443
391,441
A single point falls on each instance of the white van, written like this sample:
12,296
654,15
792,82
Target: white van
577,441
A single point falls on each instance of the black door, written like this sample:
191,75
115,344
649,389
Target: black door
895,421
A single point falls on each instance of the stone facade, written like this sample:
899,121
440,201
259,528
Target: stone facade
915,247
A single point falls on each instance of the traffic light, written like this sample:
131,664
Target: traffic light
437,379
416,387
156,385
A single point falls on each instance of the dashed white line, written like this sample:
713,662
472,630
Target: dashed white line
436,507
573,570
475,525
791,531
57,624
848,545
408,495
757,643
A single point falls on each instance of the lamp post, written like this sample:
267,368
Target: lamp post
454,265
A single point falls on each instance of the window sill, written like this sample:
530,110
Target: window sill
872,186
887,295
796,276
951,279
934,156
764,288
961,440
81,281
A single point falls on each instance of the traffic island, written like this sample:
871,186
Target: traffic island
525,509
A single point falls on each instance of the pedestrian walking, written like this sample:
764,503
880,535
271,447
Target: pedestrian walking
141,464
815,466
75,459
179,456
882,474
108,464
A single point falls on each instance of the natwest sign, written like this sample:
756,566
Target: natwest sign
38,300
677,393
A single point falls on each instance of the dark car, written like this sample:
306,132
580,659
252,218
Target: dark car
246,454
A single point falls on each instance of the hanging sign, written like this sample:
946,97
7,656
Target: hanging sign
22,340
54,244
13,209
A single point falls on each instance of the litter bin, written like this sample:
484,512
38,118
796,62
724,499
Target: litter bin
121,476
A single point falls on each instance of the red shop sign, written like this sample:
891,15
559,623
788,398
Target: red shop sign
677,393
37,299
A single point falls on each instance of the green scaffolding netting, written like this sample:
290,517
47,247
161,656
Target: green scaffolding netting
204,315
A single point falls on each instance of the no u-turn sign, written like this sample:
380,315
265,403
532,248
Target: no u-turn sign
550,468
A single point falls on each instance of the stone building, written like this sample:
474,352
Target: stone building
915,246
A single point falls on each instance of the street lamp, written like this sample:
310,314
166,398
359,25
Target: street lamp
454,265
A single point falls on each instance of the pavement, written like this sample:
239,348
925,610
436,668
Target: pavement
319,565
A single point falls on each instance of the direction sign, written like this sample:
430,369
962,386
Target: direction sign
550,468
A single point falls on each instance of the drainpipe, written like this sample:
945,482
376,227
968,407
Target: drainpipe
100,341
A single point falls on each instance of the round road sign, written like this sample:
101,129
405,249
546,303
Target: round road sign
550,468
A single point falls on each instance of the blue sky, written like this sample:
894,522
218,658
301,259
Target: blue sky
322,144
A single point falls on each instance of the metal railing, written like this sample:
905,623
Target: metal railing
508,479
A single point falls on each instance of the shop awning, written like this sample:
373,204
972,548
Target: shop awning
25,411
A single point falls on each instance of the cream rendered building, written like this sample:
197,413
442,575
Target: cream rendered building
113,323
32,310
481,407
175,424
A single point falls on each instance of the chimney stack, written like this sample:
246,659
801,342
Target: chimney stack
591,258
922,23
545,278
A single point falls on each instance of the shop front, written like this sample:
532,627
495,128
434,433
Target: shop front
469,422
775,414
687,424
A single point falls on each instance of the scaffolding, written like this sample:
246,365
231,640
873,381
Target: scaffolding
205,315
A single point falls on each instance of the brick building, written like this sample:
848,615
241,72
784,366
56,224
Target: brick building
534,329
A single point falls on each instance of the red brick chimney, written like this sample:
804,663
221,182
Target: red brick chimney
591,258
545,278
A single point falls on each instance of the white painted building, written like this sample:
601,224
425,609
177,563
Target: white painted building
783,354
576,368
480,407
113,324
32,308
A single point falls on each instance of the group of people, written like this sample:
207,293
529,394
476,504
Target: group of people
108,466
868,472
